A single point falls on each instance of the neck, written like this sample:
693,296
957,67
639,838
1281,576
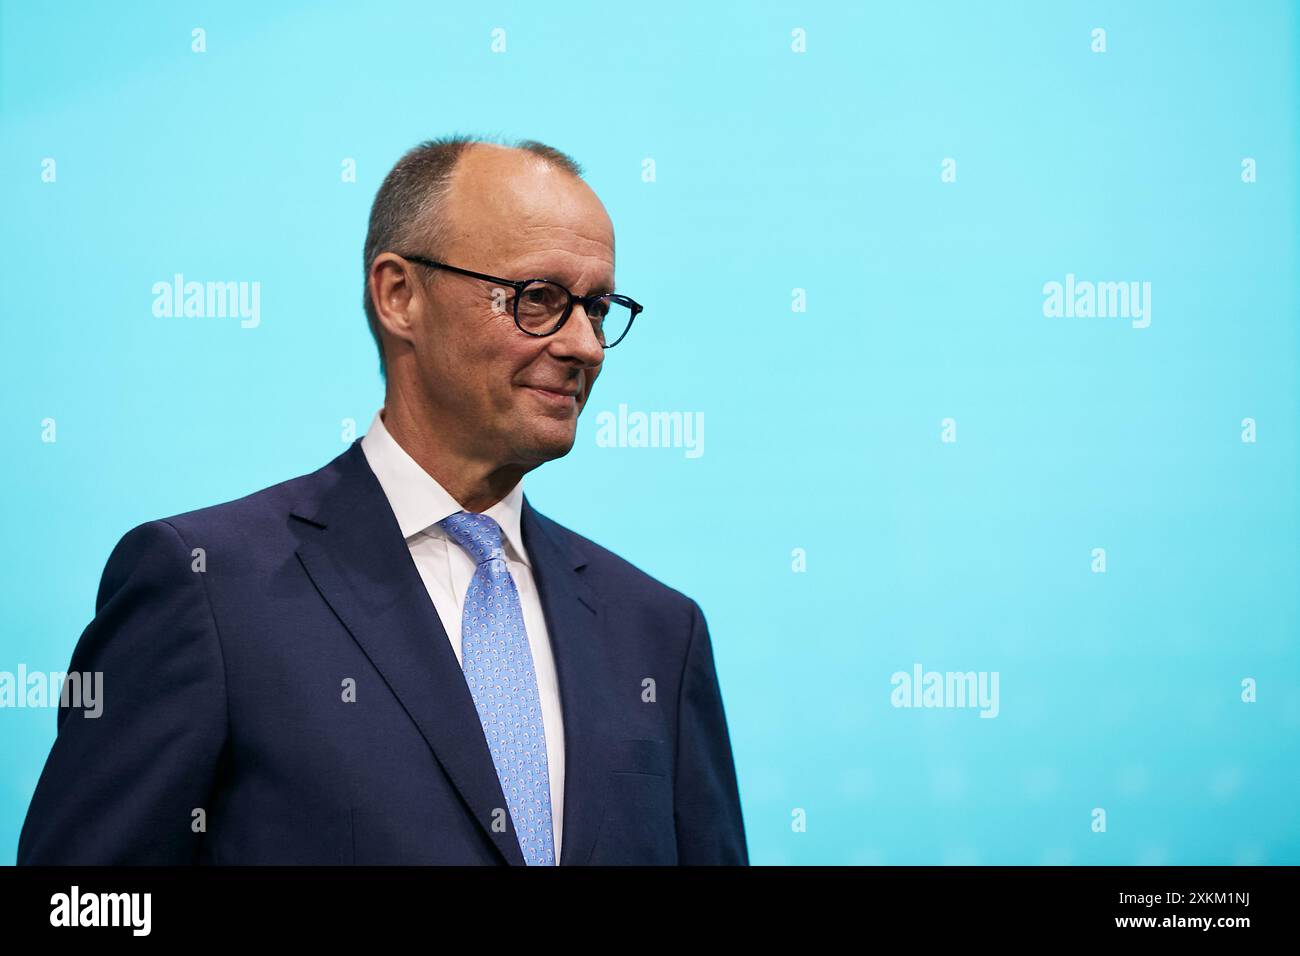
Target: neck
476,484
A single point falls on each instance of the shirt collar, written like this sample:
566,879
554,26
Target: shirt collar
419,502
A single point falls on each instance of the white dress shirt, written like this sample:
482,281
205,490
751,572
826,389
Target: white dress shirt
419,503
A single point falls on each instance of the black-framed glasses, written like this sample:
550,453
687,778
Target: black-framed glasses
541,306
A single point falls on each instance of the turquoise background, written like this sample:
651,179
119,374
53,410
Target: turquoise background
775,171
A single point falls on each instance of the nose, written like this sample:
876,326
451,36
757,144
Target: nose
576,340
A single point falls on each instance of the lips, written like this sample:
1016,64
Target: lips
559,401
556,391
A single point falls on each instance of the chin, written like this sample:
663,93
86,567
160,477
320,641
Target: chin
548,444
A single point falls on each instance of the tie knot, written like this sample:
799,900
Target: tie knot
478,534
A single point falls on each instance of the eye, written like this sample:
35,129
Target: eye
542,297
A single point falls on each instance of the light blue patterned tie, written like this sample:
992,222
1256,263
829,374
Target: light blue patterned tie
498,668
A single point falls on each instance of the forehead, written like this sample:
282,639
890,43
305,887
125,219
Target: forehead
510,209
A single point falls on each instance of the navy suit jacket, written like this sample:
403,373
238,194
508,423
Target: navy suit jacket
226,738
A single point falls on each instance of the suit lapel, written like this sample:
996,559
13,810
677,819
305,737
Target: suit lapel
355,554
574,617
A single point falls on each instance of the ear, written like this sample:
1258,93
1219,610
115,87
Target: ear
396,295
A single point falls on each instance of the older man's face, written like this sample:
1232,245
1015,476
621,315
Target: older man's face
512,398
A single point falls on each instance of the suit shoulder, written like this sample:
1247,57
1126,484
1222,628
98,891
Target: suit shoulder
257,510
618,576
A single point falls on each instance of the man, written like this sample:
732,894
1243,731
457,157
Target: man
396,658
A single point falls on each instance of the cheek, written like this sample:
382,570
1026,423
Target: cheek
476,351
499,373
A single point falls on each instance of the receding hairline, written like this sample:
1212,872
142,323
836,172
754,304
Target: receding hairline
455,192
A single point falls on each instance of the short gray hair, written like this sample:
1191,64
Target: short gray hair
407,213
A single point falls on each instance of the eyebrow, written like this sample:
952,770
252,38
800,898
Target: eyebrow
599,288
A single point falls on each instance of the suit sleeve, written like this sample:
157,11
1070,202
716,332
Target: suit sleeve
710,829
122,787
